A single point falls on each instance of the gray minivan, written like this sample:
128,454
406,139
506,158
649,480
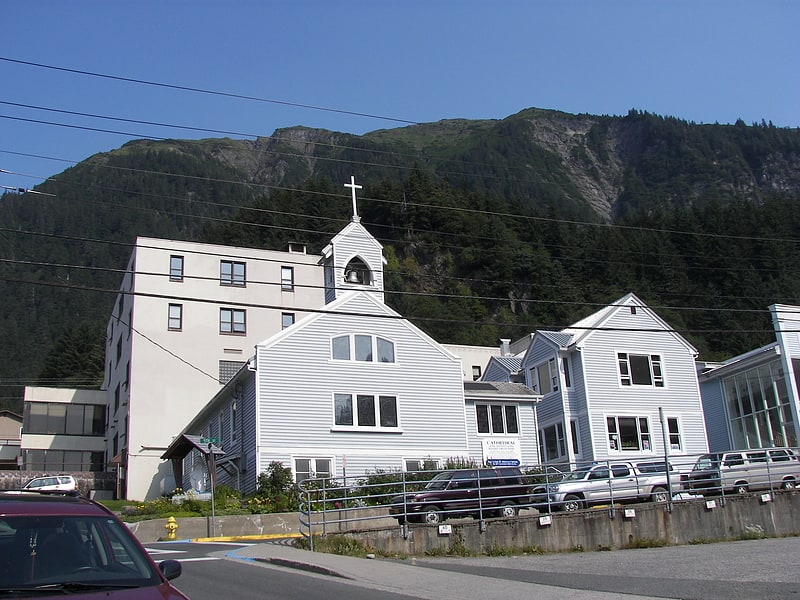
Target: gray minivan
742,471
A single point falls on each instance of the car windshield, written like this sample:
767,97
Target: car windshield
577,474
46,552
439,482
706,462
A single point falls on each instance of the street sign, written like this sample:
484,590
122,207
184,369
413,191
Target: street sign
209,440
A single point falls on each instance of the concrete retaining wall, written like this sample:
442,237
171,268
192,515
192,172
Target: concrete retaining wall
599,529
650,524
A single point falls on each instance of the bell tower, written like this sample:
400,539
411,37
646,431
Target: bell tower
353,260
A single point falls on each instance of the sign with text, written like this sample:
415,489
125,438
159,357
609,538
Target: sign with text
499,452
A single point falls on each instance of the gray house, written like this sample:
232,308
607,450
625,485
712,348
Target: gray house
606,381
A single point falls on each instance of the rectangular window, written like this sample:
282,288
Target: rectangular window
547,377
363,347
234,414
287,320
627,434
366,412
576,439
287,279
567,373
497,419
476,372
421,464
232,320
552,444
175,268
119,349
673,427
640,369
175,317
311,468
232,273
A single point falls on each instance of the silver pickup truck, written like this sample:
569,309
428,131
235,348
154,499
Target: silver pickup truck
602,483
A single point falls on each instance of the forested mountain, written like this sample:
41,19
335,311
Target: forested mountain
491,228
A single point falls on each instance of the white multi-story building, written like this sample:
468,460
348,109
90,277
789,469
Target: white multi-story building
187,317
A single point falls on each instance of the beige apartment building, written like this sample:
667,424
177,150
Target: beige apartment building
187,318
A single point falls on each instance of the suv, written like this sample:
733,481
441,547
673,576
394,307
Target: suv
64,483
742,471
498,492
61,543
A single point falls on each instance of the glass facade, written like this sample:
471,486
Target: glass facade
759,409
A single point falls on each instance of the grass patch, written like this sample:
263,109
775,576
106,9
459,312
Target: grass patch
645,543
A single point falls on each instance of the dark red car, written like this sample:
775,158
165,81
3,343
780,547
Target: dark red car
55,543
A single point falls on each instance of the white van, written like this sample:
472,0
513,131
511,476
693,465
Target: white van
742,471
52,482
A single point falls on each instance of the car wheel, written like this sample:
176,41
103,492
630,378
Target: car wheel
789,484
432,515
508,510
659,494
572,503
741,488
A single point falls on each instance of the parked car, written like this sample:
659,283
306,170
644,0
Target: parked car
601,483
490,492
741,471
64,483
56,543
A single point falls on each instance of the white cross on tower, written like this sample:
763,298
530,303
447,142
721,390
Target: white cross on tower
353,187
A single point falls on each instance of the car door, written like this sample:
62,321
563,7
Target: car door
461,495
597,484
624,484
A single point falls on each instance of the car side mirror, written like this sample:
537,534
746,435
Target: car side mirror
170,568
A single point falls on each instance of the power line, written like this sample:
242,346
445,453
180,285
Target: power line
206,91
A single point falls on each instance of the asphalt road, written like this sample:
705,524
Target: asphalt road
754,569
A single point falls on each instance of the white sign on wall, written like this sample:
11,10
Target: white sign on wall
499,452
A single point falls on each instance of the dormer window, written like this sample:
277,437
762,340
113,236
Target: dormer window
357,272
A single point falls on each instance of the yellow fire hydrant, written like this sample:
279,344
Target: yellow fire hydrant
171,527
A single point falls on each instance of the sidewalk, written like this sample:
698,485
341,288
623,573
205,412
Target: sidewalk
411,578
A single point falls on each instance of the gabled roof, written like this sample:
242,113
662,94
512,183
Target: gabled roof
352,228
584,328
510,363
499,390
560,339
183,444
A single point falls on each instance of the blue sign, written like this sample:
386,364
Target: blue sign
503,462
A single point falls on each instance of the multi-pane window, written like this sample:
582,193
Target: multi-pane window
545,377
421,464
497,419
552,445
674,430
232,273
365,348
309,468
232,320
175,317
287,279
365,410
58,418
64,460
759,407
287,320
175,268
640,369
628,434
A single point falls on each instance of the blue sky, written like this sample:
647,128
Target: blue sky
411,60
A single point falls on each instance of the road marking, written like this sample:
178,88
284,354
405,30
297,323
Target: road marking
157,551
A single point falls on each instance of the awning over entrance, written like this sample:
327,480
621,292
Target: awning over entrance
184,444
